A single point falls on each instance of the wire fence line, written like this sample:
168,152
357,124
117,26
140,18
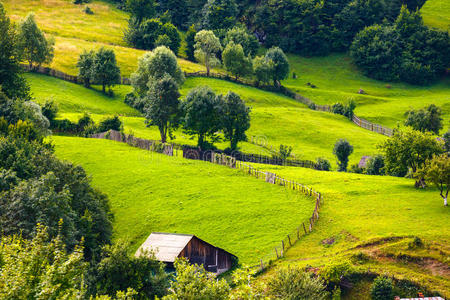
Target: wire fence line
230,161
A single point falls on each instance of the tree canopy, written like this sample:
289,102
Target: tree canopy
207,45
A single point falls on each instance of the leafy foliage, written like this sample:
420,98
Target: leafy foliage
382,288
280,64
406,50
162,105
375,165
235,119
408,149
207,45
323,164
35,48
84,64
342,150
202,113
190,42
437,171
295,283
263,69
219,14
240,35
428,119
104,69
12,84
235,60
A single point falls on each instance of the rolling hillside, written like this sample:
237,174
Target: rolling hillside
275,118
436,13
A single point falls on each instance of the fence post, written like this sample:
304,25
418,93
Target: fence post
282,245
276,252
289,239
298,234
262,265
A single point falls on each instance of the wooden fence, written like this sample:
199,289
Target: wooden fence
281,89
303,228
231,162
61,75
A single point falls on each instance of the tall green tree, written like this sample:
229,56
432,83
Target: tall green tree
428,119
235,118
235,60
408,149
33,44
104,69
437,171
240,35
342,150
162,105
155,65
84,64
263,69
280,64
207,45
12,84
202,113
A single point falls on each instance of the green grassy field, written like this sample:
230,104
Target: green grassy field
338,80
279,119
436,13
153,192
360,208
81,31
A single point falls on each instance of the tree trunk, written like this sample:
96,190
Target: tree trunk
445,201
200,141
104,88
163,134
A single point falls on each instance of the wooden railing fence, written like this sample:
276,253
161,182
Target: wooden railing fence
222,159
281,89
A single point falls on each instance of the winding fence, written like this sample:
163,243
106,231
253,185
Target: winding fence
226,160
281,89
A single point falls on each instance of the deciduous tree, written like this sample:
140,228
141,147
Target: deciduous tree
342,150
236,119
437,171
280,64
104,68
428,119
207,45
235,60
33,44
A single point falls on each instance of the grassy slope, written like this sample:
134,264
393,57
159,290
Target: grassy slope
75,31
152,192
359,208
436,13
337,79
279,119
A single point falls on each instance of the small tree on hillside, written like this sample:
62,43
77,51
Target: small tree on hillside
104,68
236,119
162,107
280,64
428,119
202,113
155,65
263,69
408,149
240,35
84,64
342,150
33,44
207,45
235,61
437,171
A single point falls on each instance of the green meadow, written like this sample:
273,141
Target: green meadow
152,192
360,209
436,13
338,80
276,119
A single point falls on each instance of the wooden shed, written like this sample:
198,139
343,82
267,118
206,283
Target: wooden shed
169,246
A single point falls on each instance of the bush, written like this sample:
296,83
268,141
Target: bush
338,108
84,122
49,110
356,169
447,141
323,164
375,165
111,123
342,150
88,10
382,289
416,243
295,283
332,273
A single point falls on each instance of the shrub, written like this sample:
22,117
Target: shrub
342,150
338,108
356,169
323,164
332,273
163,40
416,243
295,283
49,110
111,123
428,119
447,141
84,122
382,289
375,165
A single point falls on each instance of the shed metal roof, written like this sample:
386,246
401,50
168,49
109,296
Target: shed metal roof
165,246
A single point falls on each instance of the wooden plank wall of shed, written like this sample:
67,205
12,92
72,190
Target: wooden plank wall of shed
200,252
